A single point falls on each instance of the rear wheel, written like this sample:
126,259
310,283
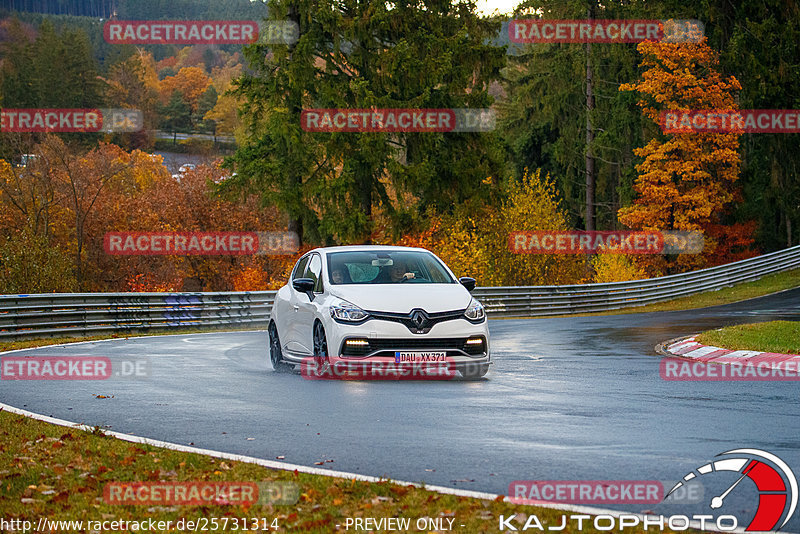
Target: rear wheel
275,352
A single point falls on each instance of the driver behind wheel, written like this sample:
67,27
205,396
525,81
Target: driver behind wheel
398,272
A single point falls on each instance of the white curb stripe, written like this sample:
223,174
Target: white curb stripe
702,351
742,354
684,346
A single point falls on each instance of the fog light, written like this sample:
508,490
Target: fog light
356,342
475,346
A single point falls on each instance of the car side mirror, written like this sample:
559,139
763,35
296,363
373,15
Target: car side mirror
467,282
304,285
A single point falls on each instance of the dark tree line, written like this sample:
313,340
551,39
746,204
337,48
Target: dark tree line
81,8
142,9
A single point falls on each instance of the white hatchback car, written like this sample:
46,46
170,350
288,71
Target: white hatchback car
376,303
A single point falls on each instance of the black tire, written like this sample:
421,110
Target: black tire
474,371
320,343
275,352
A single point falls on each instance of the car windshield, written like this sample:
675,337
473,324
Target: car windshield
386,267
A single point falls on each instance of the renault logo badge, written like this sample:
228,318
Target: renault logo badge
418,318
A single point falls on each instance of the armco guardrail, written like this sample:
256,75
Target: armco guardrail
586,298
86,314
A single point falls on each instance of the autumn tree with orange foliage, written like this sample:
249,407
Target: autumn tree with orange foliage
56,212
190,82
81,182
188,205
687,180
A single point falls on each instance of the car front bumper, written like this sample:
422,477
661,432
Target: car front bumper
379,340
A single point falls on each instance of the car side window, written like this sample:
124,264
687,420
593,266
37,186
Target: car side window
314,271
300,268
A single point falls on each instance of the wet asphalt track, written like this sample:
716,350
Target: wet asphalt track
567,399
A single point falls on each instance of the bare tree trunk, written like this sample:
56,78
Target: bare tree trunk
590,215
788,230
295,220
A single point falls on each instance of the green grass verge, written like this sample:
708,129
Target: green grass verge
60,473
773,336
769,284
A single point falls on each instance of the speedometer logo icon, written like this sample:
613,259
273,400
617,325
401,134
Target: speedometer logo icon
776,483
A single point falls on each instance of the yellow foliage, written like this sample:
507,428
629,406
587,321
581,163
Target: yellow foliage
611,267
474,240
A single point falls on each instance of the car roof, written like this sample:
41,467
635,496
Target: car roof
367,248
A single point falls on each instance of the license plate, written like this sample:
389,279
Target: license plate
415,357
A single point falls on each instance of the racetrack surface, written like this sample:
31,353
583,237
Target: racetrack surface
566,399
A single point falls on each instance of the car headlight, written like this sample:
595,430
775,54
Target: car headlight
475,311
345,311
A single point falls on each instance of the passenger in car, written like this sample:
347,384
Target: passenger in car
339,275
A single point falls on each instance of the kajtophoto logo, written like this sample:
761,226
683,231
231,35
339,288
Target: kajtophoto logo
775,484
775,481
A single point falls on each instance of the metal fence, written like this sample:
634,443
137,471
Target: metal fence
87,314
586,298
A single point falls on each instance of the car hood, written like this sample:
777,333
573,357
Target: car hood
402,298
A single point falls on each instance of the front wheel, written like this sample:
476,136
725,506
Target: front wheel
275,352
474,371
320,343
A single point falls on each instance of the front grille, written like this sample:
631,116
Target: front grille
426,321
453,346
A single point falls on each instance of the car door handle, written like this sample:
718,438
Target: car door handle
297,308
